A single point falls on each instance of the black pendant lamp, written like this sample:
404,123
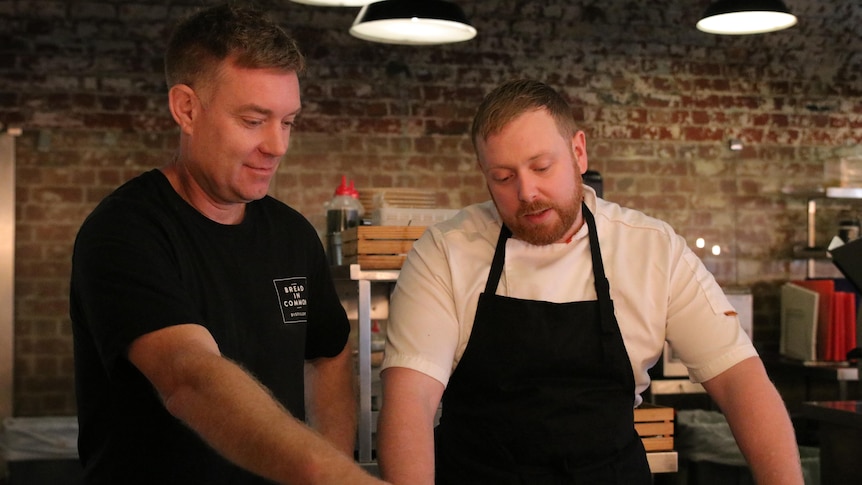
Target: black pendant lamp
741,17
412,22
334,3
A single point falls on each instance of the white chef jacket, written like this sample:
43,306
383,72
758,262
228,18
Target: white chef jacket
659,287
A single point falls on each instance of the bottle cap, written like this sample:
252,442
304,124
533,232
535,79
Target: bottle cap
343,189
353,192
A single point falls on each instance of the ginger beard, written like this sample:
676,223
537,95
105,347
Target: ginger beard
542,234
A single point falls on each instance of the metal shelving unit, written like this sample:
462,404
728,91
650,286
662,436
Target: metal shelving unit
357,290
811,252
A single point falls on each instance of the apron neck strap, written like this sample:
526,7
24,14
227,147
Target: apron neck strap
497,263
603,288
602,285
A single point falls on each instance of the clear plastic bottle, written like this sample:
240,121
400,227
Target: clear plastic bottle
342,212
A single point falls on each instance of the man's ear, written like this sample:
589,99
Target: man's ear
579,148
184,105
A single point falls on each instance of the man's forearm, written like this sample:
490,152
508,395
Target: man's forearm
759,421
405,450
767,440
405,432
234,413
331,399
239,419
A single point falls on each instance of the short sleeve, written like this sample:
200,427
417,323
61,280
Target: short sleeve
125,281
423,329
703,327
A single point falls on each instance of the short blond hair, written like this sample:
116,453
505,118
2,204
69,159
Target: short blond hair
201,42
514,98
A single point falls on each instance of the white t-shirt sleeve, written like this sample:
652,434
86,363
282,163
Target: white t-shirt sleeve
423,328
703,327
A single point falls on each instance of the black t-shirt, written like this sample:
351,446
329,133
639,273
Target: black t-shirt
144,260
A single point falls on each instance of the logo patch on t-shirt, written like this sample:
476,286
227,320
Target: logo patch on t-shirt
293,298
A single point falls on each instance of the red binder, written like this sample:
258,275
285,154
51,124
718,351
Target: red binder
845,324
826,350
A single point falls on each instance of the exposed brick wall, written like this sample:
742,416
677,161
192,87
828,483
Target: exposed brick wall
658,101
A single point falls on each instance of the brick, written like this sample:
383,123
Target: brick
135,13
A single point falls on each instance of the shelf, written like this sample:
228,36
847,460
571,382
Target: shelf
844,192
356,273
675,386
848,193
801,252
809,249
840,372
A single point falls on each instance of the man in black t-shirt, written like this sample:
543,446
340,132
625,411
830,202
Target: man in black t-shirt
200,304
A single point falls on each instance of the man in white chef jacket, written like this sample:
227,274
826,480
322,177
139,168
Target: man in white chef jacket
534,318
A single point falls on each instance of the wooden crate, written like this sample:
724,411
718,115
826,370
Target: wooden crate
376,197
378,247
654,425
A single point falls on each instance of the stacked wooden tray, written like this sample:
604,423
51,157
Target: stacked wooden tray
654,425
379,247
378,197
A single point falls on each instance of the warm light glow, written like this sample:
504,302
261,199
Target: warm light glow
716,250
742,23
701,243
413,31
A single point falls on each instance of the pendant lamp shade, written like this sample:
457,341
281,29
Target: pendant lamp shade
741,17
412,22
334,3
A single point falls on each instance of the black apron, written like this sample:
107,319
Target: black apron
543,394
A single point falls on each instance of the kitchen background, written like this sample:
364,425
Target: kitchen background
658,100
